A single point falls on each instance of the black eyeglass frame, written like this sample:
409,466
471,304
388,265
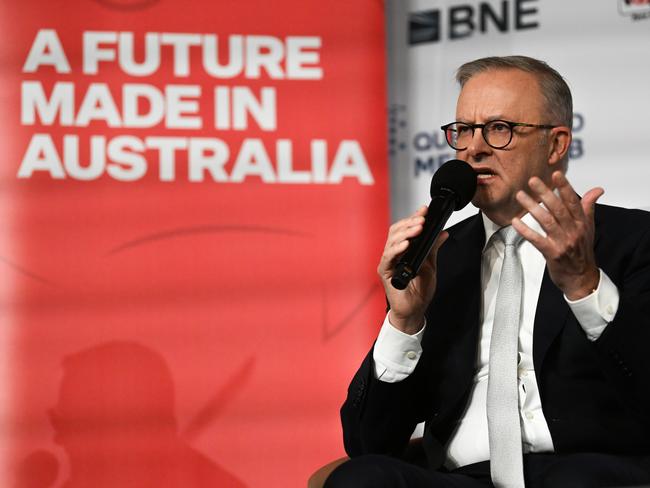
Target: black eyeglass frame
511,125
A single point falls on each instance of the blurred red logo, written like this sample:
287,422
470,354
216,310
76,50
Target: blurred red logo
634,7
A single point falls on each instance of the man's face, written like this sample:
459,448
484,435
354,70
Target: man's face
511,95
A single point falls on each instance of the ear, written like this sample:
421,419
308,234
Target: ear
559,143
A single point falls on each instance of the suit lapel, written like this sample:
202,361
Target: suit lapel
552,311
550,317
465,258
471,243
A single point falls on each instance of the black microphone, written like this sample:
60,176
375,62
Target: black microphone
452,187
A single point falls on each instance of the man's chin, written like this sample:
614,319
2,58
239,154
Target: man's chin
492,207
484,202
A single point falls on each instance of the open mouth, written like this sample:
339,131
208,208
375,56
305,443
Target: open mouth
483,174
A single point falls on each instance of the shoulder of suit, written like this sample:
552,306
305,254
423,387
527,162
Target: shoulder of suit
466,225
628,219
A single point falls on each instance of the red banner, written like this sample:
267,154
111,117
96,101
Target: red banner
194,197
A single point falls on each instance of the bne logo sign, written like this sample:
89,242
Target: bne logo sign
463,21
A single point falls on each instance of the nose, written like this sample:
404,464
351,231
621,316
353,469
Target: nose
478,148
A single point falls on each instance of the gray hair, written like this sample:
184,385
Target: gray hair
554,89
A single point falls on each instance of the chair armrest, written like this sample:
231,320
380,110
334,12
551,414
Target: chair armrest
317,480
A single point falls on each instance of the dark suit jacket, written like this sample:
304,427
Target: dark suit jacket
595,395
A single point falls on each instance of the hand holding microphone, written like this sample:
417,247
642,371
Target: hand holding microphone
411,240
452,187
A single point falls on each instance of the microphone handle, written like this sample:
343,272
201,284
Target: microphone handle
408,266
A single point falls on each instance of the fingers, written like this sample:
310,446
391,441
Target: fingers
422,211
563,209
530,235
404,229
398,238
567,194
541,215
566,220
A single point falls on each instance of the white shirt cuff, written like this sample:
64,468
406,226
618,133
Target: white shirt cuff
396,354
597,310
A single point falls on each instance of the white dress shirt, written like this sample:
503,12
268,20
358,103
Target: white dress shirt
396,354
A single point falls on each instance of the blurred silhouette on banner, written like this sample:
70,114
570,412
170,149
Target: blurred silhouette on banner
115,420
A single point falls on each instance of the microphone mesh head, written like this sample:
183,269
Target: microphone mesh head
455,176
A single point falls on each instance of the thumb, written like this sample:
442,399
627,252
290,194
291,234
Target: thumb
444,235
589,200
440,240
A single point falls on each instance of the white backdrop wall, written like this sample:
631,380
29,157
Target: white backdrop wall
601,47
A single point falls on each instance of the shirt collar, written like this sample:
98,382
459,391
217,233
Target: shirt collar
491,228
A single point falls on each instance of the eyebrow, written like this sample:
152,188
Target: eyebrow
489,119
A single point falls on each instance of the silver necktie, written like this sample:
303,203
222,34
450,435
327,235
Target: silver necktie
504,428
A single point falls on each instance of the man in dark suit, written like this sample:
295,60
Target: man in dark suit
582,367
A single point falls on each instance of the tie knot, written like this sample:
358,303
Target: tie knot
509,236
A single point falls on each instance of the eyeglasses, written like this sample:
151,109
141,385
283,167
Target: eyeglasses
497,133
